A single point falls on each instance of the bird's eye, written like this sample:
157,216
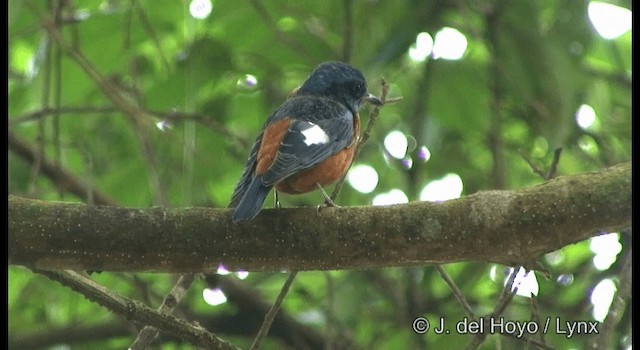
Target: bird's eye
358,88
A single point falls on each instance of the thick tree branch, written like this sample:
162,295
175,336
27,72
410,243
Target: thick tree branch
507,227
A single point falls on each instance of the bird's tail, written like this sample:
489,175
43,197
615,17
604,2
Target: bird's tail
252,200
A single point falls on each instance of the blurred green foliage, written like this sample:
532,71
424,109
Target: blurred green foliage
527,68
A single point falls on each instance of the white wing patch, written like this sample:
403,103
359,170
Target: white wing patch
314,135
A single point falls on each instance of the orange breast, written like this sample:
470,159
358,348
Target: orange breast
326,172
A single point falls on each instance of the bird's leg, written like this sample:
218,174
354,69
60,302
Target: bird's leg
275,195
327,200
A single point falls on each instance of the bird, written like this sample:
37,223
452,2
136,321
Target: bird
308,142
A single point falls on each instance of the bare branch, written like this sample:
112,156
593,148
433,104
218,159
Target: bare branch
554,164
140,118
347,30
62,178
205,120
507,227
108,88
365,136
271,315
293,44
146,24
44,112
135,310
456,292
171,300
532,165
170,116
616,310
552,168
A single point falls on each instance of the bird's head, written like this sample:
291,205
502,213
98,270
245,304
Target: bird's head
341,82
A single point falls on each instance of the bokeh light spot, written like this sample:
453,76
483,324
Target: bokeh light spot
222,270
242,274
585,116
248,81
565,279
419,51
287,24
163,125
450,44
213,296
396,144
424,154
606,249
200,9
363,178
526,282
610,21
448,187
601,298
407,162
588,144
395,196
555,258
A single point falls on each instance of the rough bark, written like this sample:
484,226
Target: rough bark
505,227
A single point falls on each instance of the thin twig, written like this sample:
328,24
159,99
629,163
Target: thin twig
138,116
456,292
237,142
393,100
44,112
146,24
171,116
498,89
56,67
506,295
347,30
367,133
61,177
616,310
109,89
413,287
552,168
535,315
132,309
331,328
156,184
171,300
40,138
205,120
271,315
88,166
389,286
533,167
293,44
529,340
554,164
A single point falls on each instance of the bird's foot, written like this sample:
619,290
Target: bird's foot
328,202
277,202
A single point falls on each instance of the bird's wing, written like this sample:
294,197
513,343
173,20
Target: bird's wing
247,174
318,128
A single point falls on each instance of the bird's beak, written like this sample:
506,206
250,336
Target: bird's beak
373,99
